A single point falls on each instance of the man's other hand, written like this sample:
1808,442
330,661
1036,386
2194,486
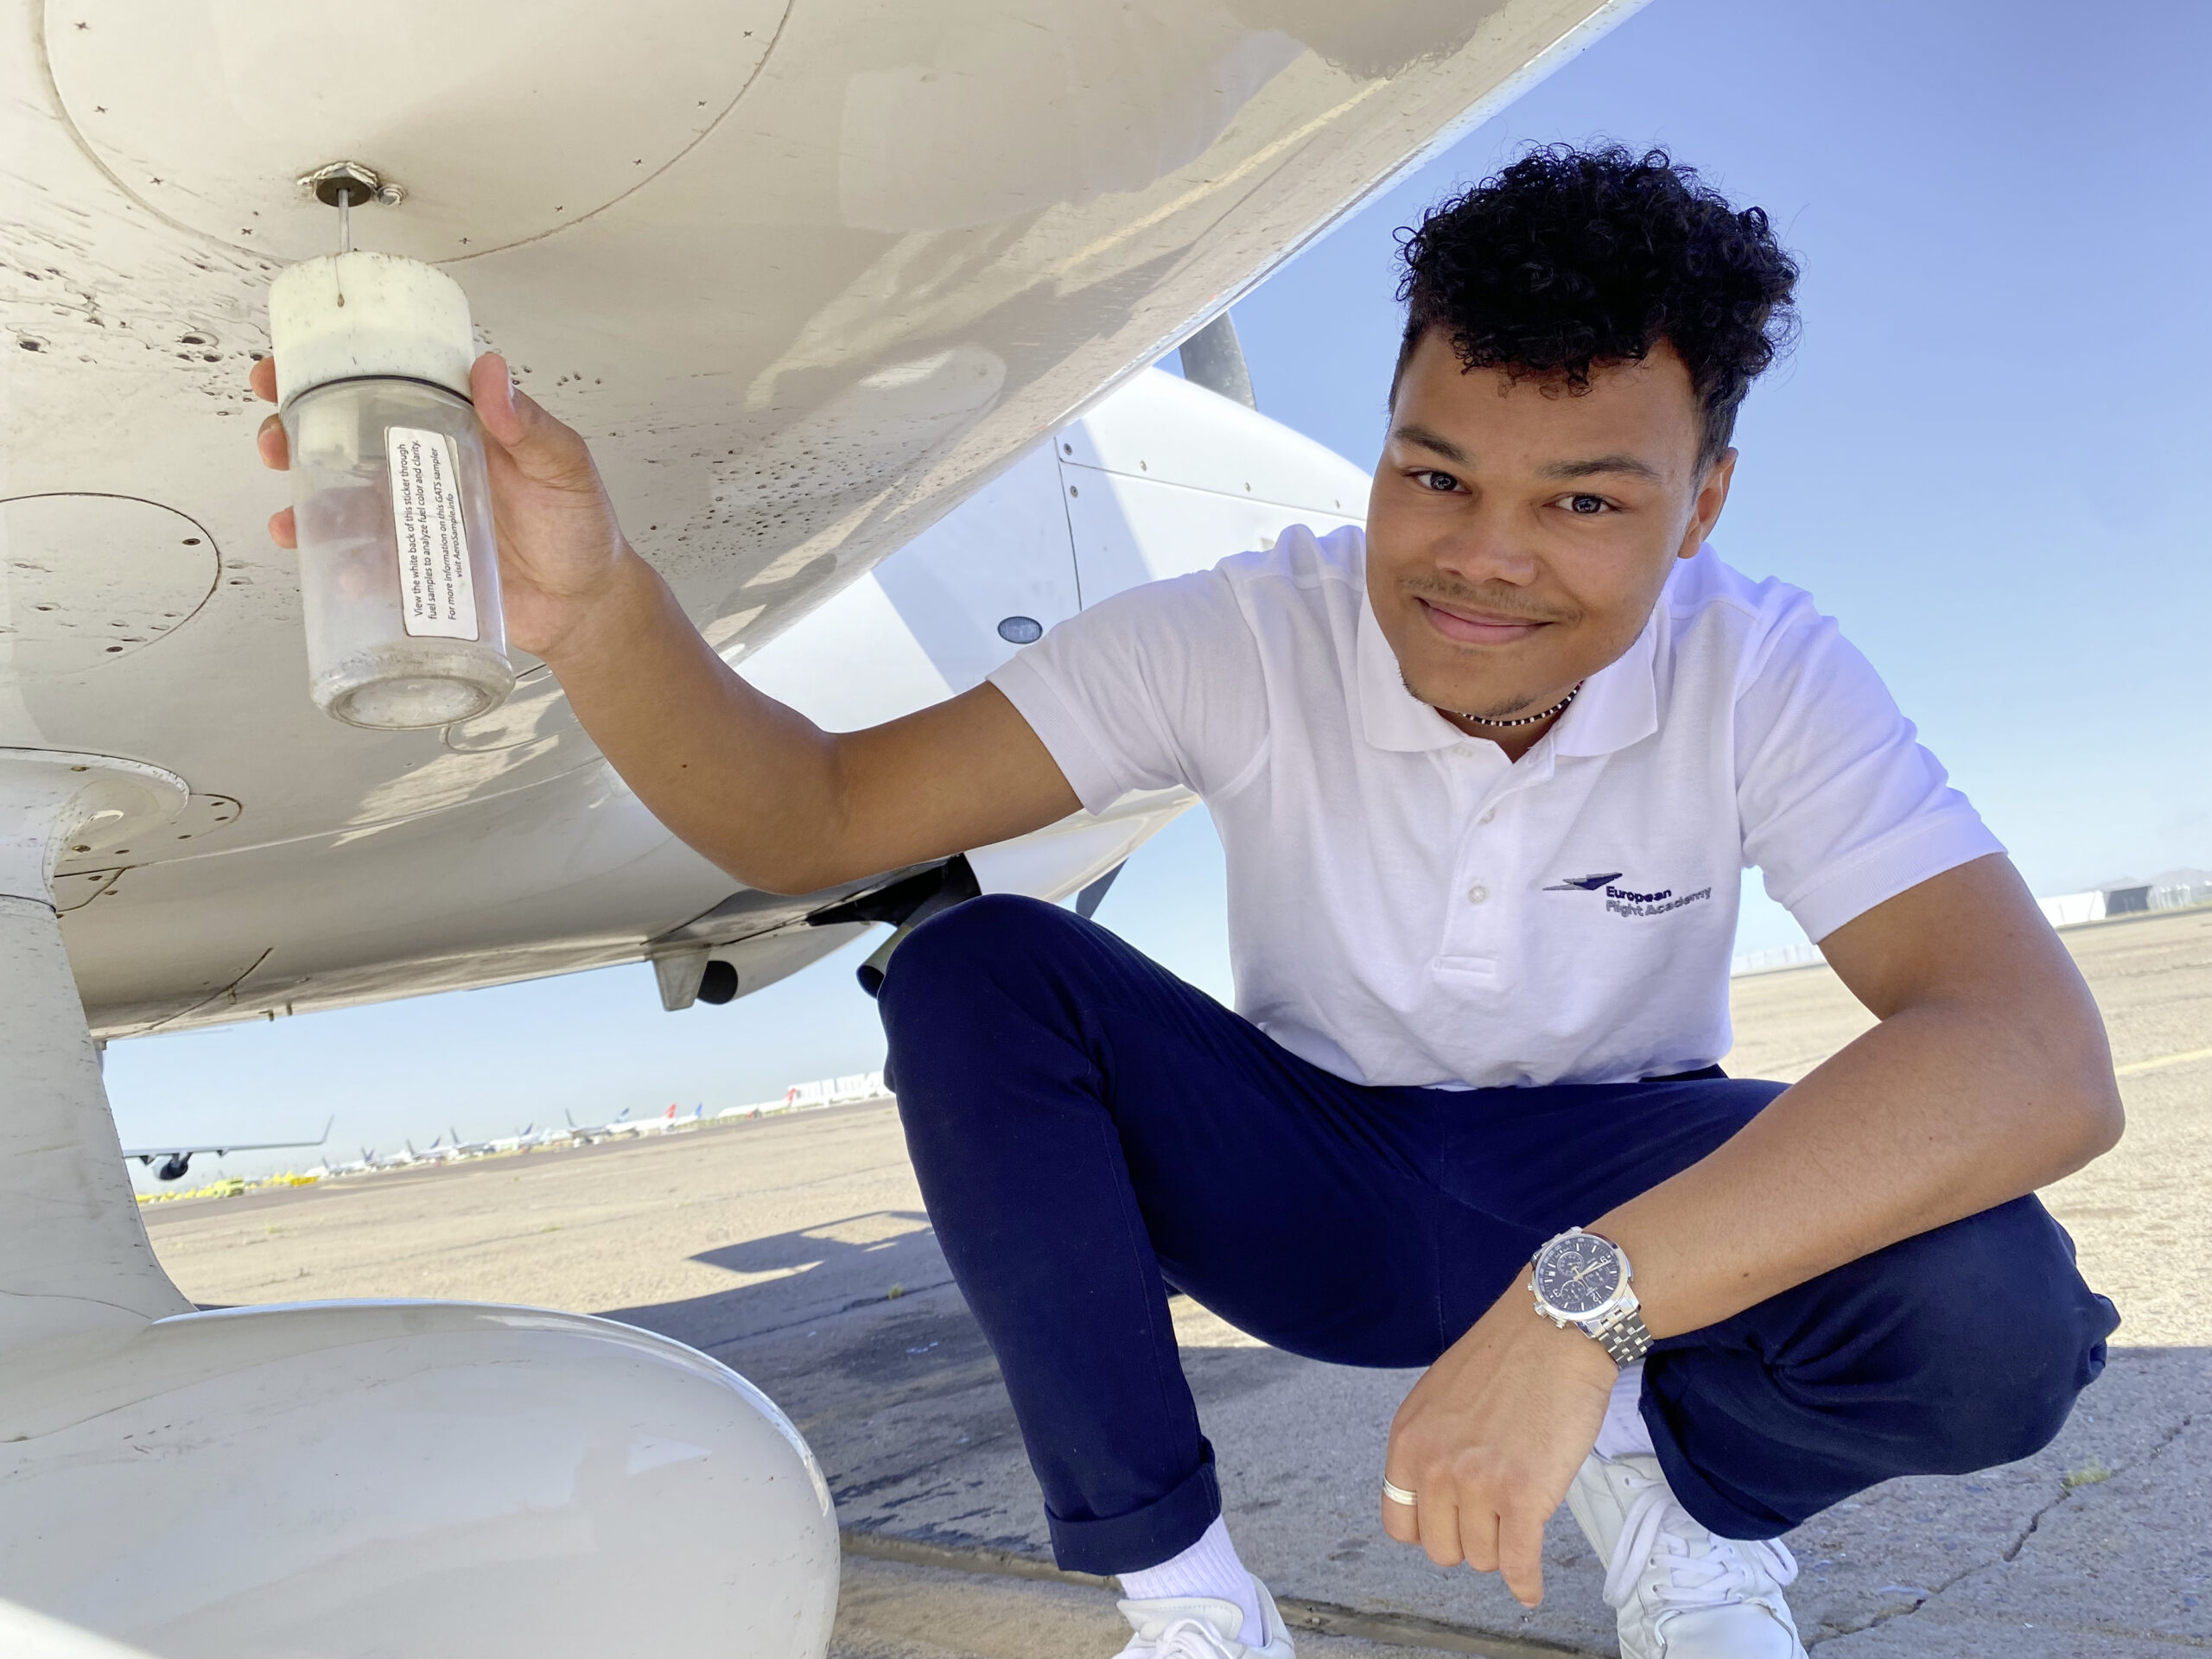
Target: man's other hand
561,547
1488,1440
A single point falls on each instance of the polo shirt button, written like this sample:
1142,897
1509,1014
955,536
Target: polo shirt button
1488,815
1476,893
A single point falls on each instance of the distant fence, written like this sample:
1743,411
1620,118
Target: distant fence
836,1091
1800,955
2072,909
807,1097
2067,909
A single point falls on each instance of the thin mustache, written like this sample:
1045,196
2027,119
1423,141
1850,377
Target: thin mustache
1481,599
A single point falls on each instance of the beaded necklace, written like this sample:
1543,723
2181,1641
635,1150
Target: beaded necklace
1529,720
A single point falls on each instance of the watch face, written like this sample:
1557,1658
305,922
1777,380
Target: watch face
1578,1275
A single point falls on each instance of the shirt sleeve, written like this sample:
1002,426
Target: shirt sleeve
1157,686
1841,807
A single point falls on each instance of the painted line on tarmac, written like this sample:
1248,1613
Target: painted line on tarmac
1320,1617
2137,1068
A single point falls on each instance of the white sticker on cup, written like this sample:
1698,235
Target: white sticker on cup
437,597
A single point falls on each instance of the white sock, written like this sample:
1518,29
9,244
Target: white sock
1622,1433
1209,1567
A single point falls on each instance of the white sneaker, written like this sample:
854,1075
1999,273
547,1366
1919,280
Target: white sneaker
1198,1627
1681,1593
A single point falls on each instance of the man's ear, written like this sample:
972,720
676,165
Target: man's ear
1712,496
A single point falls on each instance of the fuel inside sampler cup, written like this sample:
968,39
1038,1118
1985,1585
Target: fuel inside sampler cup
399,573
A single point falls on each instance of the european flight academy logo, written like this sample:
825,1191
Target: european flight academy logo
1626,901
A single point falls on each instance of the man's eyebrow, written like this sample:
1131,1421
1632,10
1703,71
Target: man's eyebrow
1423,438
1598,464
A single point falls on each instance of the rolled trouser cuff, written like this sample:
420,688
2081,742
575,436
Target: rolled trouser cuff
1129,1543
1721,1512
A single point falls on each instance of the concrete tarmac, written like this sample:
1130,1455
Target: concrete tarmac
796,1250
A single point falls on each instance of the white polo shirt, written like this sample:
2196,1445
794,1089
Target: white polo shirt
1405,907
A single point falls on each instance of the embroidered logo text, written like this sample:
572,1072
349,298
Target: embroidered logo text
1621,901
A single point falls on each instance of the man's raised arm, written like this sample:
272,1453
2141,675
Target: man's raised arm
757,787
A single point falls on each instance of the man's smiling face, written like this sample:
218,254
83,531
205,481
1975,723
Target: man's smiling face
1518,532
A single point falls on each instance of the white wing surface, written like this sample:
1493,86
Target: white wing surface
807,275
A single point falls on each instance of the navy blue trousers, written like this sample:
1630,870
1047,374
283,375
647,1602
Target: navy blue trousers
1090,1130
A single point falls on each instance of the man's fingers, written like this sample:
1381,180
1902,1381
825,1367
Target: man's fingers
1399,1522
542,450
491,389
1439,1520
1520,1556
1478,1537
275,447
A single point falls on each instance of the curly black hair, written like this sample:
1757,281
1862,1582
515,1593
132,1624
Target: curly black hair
1571,259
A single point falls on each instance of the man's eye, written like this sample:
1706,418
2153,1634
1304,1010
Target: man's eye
1588,506
1442,483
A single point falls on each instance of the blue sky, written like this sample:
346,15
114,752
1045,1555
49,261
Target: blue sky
1978,460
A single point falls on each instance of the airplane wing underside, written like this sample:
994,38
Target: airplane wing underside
806,272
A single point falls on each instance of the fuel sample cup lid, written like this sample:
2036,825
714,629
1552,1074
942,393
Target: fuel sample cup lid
362,315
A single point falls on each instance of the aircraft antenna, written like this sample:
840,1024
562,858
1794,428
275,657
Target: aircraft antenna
1214,357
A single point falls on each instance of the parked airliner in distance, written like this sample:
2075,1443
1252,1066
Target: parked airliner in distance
176,1161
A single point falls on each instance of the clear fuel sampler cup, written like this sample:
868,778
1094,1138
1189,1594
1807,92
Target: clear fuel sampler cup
399,574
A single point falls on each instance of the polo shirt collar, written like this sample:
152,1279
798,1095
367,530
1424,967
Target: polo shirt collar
1618,706
1391,718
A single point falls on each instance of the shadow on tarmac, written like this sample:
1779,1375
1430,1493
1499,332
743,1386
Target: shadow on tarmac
816,1273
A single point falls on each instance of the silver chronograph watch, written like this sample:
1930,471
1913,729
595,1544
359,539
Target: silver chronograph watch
1584,1281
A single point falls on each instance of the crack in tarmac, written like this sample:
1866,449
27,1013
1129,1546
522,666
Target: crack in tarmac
2066,1492
2011,1553
713,1344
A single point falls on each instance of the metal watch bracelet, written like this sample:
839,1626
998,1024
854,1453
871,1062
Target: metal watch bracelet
1622,1337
